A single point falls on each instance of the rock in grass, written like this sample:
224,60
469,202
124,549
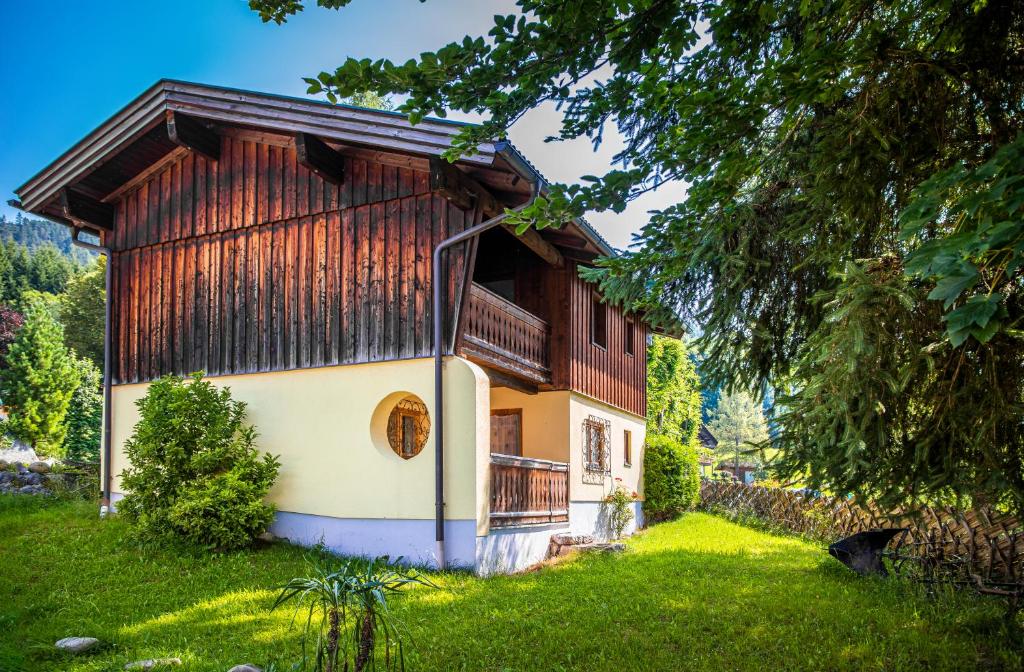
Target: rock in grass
4,465
76,644
152,663
39,467
246,667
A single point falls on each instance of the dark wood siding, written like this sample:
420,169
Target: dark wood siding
564,300
608,373
253,263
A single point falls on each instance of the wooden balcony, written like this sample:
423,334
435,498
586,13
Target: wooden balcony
525,491
499,333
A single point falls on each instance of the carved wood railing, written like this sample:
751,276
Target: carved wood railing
503,334
526,491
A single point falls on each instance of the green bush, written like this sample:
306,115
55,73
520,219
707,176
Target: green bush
85,415
195,474
671,478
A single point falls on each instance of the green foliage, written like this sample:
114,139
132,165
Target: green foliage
802,130
673,391
81,312
969,228
963,447
357,592
671,477
370,99
44,270
740,427
85,415
5,438
618,507
38,381
195,474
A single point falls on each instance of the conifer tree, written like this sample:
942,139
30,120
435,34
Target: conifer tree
37,383
739,425
85,415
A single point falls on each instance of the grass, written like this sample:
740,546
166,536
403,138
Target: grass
697,594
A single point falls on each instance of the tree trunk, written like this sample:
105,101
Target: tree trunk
333,634
365,642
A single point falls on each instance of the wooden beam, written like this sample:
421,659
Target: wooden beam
582,256
501,379
320,158
86,210
533,240
189,132
463,190
448,181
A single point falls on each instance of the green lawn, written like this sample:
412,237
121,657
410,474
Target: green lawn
697,594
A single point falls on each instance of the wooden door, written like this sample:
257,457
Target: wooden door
507,431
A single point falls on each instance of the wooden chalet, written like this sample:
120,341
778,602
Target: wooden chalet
283,246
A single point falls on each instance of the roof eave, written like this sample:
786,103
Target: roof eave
527,170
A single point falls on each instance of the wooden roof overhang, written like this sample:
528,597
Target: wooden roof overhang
173,117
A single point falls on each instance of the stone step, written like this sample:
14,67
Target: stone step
563,543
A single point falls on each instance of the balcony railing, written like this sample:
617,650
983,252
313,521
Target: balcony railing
526,491
503,334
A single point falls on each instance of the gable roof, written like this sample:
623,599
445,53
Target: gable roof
136,137
706,438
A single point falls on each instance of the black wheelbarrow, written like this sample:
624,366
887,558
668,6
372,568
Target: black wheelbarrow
862,552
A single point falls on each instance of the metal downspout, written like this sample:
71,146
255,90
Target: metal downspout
105,477
436,312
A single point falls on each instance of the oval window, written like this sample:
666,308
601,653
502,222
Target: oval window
408,427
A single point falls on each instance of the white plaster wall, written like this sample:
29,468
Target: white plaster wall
333,463
580,408
591,518
513,550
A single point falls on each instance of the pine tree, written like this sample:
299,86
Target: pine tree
38,381
739,425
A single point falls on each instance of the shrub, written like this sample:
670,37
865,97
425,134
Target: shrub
619,507
195,474
671,478
85,415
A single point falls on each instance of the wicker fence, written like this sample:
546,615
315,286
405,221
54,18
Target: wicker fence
976,548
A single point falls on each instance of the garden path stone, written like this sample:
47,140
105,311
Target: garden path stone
76,644
152,663
246,667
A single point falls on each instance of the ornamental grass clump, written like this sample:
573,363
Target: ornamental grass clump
355,593
195,475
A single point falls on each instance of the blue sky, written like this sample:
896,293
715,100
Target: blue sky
65,66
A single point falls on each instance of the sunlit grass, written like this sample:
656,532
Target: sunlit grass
697,594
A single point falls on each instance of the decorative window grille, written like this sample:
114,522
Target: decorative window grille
408,427
596,449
